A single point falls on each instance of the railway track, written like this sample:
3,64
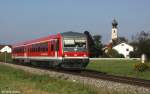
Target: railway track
103,76
120,79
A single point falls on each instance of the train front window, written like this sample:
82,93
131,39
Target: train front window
74,45
80,43
69,43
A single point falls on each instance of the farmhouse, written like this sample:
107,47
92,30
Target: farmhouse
124,49
5,48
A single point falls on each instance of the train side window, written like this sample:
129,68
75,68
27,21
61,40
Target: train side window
38,49
24,50
28,49
33,49
52,47
57,45
46,49
41,49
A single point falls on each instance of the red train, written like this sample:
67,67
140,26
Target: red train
63,50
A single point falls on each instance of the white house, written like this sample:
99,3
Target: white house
5,49
124,49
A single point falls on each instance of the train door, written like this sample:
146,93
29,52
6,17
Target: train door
26,55
25,52
54,48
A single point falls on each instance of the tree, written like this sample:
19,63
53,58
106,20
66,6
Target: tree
91,44
98,44
114,54
141,44
94,44
122,39
119,40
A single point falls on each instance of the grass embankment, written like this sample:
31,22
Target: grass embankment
15,80
119,67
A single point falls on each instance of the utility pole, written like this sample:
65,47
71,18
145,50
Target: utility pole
5,57
143,58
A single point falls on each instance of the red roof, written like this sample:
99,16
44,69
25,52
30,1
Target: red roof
35,40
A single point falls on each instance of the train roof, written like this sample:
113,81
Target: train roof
65,34
34,40
72,34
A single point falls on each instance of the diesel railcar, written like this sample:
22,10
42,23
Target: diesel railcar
67,50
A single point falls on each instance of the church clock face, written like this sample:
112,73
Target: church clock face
114,34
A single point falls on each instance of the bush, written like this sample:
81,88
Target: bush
114,54
120,56
141,67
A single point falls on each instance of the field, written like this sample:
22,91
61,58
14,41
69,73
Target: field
119,67
20,82
15,80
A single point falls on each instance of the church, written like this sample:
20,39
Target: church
120,46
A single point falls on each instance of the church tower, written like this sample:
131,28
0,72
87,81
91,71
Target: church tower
114,33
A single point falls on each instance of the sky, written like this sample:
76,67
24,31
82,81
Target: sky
22,20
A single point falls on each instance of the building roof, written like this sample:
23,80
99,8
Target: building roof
5,48
123,43
2,46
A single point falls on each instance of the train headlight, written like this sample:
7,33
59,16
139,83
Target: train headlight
65,54
75,54
84,55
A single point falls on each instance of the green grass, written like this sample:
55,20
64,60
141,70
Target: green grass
26,83
119,67
16,80
6,57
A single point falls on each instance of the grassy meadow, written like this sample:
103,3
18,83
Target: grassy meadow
16,80
119,67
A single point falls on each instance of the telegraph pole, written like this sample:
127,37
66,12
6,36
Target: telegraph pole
5,57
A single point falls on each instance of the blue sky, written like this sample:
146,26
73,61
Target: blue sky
22,20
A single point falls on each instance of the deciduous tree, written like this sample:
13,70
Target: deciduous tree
141,43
